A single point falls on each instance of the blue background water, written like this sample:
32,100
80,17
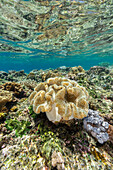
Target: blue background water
13,61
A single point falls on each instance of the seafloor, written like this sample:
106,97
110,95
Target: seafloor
29,141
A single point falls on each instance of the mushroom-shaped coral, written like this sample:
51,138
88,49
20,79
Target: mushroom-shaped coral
62,99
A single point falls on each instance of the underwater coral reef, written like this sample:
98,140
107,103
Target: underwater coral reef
79,134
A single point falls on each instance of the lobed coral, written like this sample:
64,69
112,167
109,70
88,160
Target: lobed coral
76,70
76,73
15,88
29,84
5,97
62,99
97,70
50,74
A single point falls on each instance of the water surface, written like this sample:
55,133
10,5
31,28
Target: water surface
40,34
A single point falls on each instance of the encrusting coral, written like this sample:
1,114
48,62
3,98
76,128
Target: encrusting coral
62,99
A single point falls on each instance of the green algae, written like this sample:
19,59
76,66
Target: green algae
20,127
31,112
50,143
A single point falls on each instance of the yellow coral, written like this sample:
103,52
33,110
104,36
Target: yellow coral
2,115
62,99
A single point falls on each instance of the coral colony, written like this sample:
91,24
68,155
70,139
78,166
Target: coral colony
63,99
96,125
82,138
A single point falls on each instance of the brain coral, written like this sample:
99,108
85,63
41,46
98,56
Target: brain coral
62,99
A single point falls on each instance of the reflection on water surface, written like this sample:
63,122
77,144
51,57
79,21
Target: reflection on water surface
57,28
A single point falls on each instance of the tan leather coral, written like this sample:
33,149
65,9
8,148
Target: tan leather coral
62,99
5,97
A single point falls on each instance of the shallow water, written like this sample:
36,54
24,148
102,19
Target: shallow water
40,34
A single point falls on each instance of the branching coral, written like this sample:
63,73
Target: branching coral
62,99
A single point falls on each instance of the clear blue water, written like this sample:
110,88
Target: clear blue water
49,34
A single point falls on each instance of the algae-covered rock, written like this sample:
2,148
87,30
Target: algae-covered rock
22,154
58,160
